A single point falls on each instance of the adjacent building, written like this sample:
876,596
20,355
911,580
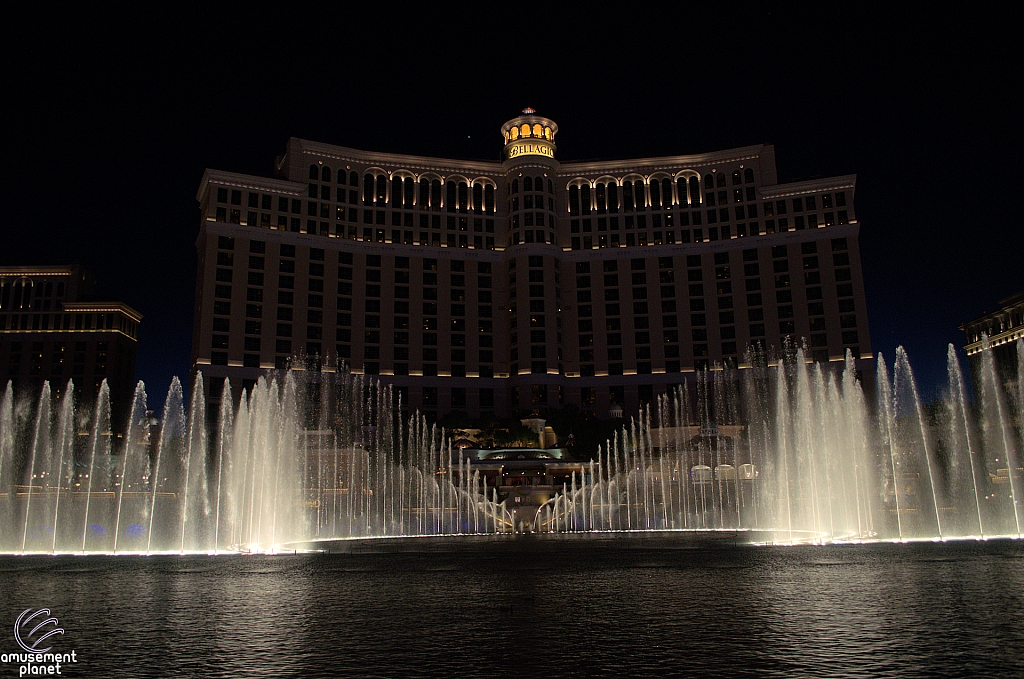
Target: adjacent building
1001,329
497,287
51,330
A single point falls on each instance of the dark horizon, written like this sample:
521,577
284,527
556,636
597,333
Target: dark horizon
114,128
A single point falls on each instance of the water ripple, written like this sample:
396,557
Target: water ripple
539,608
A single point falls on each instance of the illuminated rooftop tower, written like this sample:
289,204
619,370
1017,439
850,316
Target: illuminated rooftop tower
529,135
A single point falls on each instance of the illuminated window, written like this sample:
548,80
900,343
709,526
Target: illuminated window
600,197
435,195
537,130
478,198
367,189
489,199
525,130
396,192
655,194
450,191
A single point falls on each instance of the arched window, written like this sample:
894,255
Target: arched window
314,172
737,178
382,190
424,193
515,186
527,183
367,189
547,133
325,174
435,194
341,176
449,198
613,197
681,189
709,181
524,130
748,175
537,131
655,194
551,188
639,195
353,178
514,133
628,201
666,193
396,192
478,198
489,199
574,200
599,197
695,191
585,198
720,180
463,197
410,192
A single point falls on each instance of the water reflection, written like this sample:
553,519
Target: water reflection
540,607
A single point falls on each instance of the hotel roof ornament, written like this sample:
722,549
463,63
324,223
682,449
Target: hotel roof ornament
529,135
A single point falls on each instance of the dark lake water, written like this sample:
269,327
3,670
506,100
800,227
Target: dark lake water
535,607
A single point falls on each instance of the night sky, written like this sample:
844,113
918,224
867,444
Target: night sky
115,118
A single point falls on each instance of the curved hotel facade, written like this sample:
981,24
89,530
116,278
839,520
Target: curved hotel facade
495,287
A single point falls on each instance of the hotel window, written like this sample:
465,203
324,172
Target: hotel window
655,195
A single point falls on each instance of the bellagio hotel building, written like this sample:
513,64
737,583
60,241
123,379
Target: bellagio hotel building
525,284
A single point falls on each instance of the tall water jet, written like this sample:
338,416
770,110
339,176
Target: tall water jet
166,465
195,504
40,463
886,431
857,423
783,438
959,434
99,478
225,436
132,515
63,458
913,447
998,436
